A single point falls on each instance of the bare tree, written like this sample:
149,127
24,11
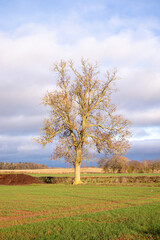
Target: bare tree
116,163
82,117
135,166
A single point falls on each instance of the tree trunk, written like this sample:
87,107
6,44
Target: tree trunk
77,165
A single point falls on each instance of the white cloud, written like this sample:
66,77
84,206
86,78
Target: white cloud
27,55
21,143
20,124
27,147
142,117
146,147
146,133
21,148
9,144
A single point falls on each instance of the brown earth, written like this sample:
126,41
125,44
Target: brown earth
17,179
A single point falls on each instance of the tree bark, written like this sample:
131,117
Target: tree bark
77,179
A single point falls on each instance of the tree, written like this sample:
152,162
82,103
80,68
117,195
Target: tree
134,166
82,117
151,165
116,163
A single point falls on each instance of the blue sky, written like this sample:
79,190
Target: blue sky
35,33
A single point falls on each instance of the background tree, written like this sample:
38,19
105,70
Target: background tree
82,117
21,165
116,163
151,165
135,167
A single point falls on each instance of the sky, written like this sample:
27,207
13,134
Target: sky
117,34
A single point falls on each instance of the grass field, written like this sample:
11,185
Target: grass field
79,212
69,172
94,175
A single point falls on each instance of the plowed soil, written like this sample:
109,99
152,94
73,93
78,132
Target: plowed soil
17,179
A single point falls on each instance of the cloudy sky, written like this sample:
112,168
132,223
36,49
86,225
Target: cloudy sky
35,33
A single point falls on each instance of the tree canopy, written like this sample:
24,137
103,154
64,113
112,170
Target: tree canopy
83,119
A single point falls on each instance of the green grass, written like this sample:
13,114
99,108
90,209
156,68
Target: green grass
79,212
95,174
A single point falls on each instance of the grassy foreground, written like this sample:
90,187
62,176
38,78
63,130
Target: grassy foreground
79,212
95,174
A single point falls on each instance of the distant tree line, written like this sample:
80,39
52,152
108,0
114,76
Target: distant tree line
21,165
121,164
